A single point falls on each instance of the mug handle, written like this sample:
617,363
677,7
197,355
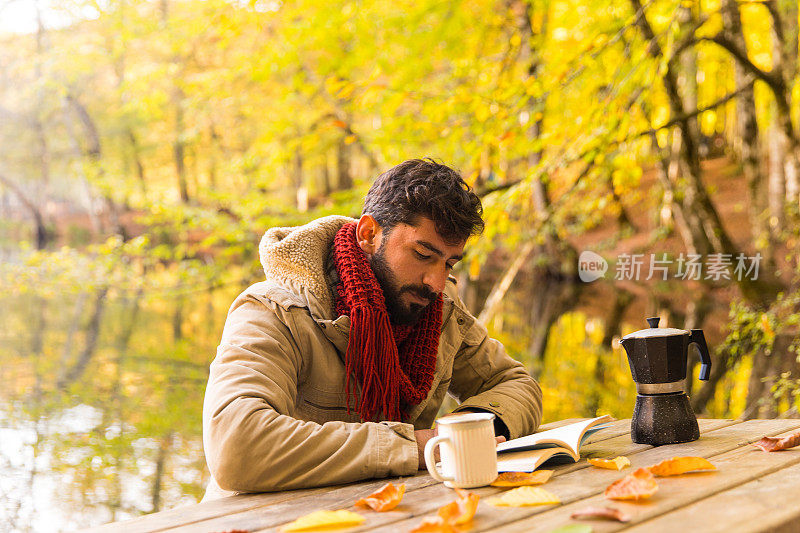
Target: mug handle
430,462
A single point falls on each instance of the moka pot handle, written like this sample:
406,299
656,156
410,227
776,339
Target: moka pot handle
697,338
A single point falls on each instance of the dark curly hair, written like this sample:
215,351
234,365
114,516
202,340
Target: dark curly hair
424,188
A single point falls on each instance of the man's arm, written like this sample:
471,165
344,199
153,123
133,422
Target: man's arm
251,442
485,378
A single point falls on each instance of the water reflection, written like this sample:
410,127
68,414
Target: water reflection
100,417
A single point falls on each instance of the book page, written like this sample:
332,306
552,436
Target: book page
569,437
530,460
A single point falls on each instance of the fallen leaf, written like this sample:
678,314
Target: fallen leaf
434,524
457,512
524,496
680,465
573,528
462,510
521,479
635,486
324,519
385,498
608,513
775,444
617,463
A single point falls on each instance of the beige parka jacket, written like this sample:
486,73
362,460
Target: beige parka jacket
275,415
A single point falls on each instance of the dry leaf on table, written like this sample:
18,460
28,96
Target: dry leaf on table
638,485
608,513
521,479
775,444
462,510
573,528
680,465
457,512
385,498
524,496
617,463
324,519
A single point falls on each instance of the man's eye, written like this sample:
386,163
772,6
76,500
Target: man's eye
421,256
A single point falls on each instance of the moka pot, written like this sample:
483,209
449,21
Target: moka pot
657,357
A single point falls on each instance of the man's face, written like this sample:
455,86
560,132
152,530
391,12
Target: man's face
412,264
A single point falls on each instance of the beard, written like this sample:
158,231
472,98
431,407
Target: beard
399,312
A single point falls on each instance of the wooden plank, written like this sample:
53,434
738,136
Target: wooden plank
235,504
232,506
279,513
739,464
765,504
587,482
429,498
201,511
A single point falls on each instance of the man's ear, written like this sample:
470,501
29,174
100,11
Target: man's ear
368,234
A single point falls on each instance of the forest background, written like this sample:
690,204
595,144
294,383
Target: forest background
145,146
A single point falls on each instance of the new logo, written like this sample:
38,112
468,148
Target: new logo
591,266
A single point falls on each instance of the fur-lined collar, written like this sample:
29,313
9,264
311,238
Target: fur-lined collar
297,257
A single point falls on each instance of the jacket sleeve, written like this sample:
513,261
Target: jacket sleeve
486,378
252,444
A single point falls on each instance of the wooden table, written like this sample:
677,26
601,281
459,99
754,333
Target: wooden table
751,491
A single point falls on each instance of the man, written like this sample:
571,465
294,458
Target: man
334,368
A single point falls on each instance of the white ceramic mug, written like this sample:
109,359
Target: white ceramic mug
468,450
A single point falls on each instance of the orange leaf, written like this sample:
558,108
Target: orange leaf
640,484
385,498
519,479
680,465
775,444
609,513
457,512
617,463
340,124
464,510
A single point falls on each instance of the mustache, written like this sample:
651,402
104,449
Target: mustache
420,291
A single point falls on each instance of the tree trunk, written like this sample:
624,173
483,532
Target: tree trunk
41,234
776,195
179,145
622,300
344,178
748,136
556,294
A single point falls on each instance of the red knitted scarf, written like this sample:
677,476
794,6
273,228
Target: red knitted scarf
392,364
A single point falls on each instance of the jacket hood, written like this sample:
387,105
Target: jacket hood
297,257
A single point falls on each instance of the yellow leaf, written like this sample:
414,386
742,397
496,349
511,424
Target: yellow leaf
617,463
350,139
324,519
521,479
524,496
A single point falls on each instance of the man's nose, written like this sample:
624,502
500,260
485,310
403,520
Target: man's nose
435,280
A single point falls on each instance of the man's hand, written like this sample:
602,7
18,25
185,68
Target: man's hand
424,435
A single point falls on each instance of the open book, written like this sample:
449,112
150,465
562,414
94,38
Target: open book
562,444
